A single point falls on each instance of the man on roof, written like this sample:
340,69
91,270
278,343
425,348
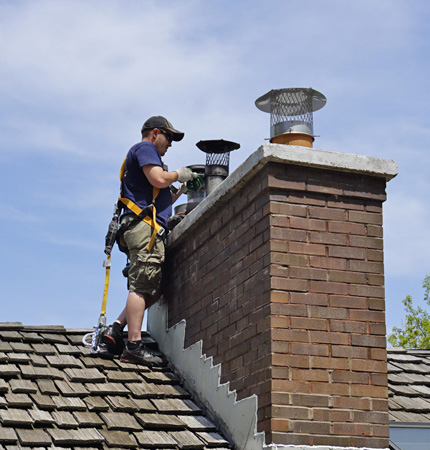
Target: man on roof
144,179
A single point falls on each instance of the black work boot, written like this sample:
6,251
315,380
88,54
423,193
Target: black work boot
142,355
112,338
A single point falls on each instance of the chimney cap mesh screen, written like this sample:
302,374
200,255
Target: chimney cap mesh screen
218,159
291,104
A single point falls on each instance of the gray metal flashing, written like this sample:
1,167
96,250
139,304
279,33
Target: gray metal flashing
285,154
238,418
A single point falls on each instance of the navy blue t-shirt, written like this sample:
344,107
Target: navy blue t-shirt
136,186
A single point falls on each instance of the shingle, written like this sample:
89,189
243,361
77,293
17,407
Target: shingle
8,370
21,347
33,437
4,387
69,349
187,440
173,391
85,375
5,347
96,404
120,421
23,386
15,417
41,417
198,423
144,405
10,335
145,390
44,349
82,436
88,419
161,422
18,400
176,406
123,404
160,377
124,377
43,401
213,439
64,419
71,389
107,388
47,387
63,361
155,439
40,372
54,338
18,358
120,439
8,435
98,362
69,404
31,336
38,360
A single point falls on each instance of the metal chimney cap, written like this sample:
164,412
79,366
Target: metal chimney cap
293,98
217,146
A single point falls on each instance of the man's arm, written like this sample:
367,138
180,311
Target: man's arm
158,177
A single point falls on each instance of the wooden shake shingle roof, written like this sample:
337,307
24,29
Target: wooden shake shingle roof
409,385
54,393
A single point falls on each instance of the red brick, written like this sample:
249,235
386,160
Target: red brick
378,354
345,351
319,362
352,429
309,400
367,316
367,242
310,427
358,390
292,412
326,213
346,252
309,324
279,334
368,267
368,341
307,249
279,297
328,238
322,312
327,337
365,217
330,389
366,291
346,228
328,263
351,403
328,287
290,360
309,298
348,302
369,366
308,273
375,231
288,259
308,224
347,376
289,310
288,209
377,328
375,280
377,304
310,375
286,234
289,284
344,203
309,349
347,277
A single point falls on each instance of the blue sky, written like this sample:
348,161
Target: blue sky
79,78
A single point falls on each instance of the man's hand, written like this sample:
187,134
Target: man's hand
185,174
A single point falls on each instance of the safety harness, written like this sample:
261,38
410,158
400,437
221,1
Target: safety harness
147,215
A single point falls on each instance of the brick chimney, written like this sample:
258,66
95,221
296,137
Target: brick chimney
279,274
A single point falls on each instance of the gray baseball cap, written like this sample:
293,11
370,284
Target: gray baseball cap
163,123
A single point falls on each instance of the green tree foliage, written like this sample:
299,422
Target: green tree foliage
416,333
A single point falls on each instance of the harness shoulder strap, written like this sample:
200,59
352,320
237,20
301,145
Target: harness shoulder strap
138,210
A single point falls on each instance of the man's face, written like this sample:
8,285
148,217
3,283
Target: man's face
163,141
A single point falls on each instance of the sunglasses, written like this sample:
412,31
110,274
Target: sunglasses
169,137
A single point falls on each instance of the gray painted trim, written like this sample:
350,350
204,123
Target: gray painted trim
285,154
